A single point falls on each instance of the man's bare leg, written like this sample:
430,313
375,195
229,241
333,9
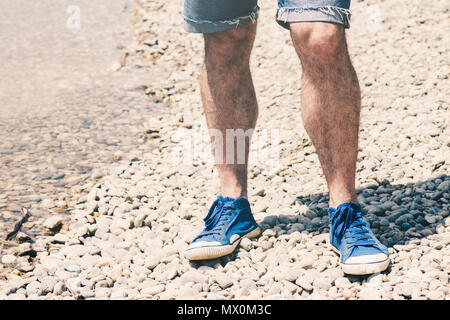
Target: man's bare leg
229,99
330,98
230,106
331,105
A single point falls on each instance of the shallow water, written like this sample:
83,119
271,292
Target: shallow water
64,107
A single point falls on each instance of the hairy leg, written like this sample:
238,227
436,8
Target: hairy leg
330,98
229,102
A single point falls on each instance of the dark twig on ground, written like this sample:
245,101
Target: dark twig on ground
25,215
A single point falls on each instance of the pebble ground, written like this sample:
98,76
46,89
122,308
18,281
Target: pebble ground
131,220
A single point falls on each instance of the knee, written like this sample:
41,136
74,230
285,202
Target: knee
231,47
318,41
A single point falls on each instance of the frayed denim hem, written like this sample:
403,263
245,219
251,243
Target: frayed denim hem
208,26
323,14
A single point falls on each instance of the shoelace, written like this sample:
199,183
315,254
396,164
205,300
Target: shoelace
348,224
217,218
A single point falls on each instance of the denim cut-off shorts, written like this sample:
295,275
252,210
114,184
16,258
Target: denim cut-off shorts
206,16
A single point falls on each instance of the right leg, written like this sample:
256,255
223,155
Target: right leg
229,101
231,110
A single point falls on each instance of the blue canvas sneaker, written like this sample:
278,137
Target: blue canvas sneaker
227,222
350,235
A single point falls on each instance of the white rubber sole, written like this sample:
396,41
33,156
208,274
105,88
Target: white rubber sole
213,252
362,268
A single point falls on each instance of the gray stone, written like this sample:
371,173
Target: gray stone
72,268
270,220
76,250
16,296
304,283
322,283
53,224
59,288
308,260
370,294
151,291
151,262
342,282
8,259
224,281
193,276
407,289
246,244
34,288
286,273
102,292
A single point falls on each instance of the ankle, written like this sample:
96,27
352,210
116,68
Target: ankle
233,183
234,193
336,201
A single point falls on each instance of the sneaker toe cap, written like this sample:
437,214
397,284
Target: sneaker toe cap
202,244
363,259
